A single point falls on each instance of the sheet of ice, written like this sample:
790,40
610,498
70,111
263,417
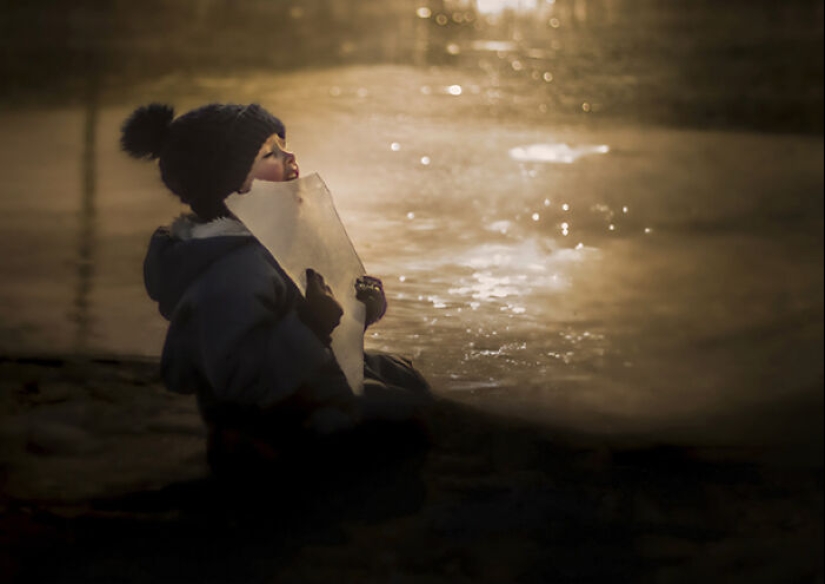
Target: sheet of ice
298,223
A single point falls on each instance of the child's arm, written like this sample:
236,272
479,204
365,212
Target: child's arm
252,343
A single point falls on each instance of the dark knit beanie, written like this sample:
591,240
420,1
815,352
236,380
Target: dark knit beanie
204,155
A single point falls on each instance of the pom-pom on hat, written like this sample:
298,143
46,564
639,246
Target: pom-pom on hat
204,155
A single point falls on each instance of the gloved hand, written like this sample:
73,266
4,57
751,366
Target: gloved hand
321,313
370,291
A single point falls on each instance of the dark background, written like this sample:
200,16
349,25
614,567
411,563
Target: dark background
740,64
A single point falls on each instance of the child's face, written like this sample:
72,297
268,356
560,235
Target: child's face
273,163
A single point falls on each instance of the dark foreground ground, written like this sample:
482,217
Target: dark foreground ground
103,480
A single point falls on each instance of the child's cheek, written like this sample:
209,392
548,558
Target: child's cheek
272,172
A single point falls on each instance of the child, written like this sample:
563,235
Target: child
241,336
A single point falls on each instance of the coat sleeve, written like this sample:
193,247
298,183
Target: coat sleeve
253,348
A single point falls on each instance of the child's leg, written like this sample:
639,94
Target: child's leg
393,370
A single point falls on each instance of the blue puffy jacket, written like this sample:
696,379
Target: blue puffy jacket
234,335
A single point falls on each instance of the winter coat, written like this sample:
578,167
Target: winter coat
234,334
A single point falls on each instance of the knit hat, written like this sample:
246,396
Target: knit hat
206,154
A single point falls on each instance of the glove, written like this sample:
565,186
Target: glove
321,313
370,291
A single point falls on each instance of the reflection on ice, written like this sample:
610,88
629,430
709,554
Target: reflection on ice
436,301
505,272
502,351
519,256
486,286
555,153
494,46
497,6
500,226
528,255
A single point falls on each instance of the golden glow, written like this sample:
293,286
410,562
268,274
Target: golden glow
498,6
558,153
494,46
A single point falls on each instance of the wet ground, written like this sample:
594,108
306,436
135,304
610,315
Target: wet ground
104,480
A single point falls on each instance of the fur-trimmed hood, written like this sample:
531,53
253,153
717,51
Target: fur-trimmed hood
178,254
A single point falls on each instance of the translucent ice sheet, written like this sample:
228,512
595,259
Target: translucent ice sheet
297,222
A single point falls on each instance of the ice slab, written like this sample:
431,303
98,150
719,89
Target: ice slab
299,225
